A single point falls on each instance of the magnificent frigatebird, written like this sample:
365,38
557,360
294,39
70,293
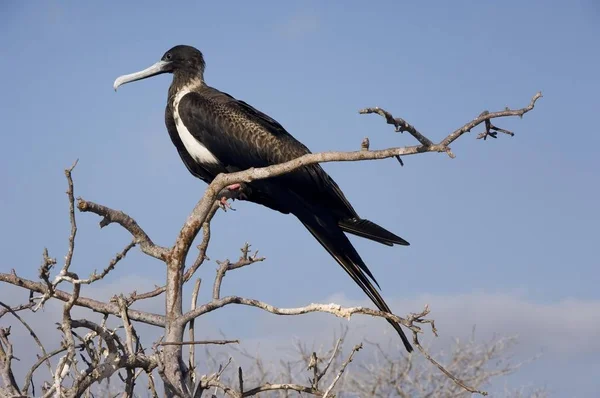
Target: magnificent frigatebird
216,133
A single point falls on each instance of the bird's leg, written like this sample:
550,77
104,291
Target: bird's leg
233,192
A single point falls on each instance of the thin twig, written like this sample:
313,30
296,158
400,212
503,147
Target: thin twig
114,216
342,369
18,308
326,368
31,332
111,265
129,383
127,324
192,359
202,247
44,274
65,362
400,124
95,305
151,386
69,256
441,368
134,296
41,360
283,386
224,266
199,342
6,357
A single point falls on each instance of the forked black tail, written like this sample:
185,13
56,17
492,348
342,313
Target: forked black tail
329,234
369,230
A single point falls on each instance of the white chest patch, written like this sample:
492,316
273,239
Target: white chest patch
194,147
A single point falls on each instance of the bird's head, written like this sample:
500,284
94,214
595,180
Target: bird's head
183,61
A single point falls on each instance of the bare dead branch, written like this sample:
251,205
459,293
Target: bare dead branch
199,342
192,358
44,274
213,380
222,368
201,250
6,357
152,386
319,375
219,278
129,383
244,260
475,363
128,328
41,360
490,130
335,309
15,309
111,265
443,370
115,216
112,340
66,362
69,256
95,305
74,279
400,124
313,364
488,116
29,329
342,369
283,386
107,369
135,296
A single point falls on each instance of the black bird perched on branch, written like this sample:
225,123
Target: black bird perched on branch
215,133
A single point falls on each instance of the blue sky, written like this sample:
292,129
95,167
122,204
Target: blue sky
506,231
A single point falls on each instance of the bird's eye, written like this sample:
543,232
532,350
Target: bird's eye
168,56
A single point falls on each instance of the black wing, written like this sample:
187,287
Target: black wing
194,167
241,137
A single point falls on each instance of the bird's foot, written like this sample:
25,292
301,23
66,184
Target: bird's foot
233,192
224,204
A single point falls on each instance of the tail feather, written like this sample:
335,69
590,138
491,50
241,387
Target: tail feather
369,230
333,239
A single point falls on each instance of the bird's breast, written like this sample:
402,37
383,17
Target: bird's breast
194,147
